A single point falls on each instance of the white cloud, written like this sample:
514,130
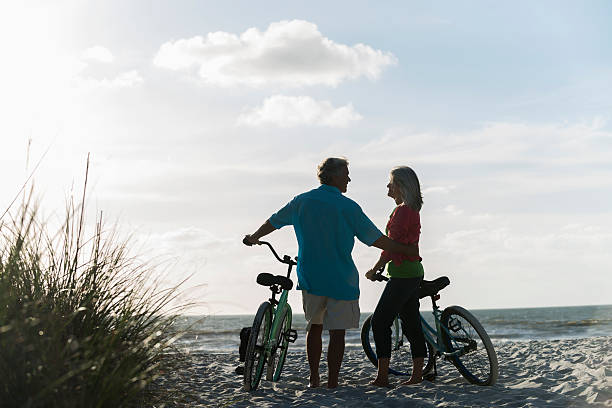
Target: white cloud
127,79
580,228
189,248
438,189
497,241
291,53
98,54
453,210
188,238
500,142
290,111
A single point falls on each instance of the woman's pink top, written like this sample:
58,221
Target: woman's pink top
404,226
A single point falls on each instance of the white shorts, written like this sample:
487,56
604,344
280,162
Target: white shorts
333,314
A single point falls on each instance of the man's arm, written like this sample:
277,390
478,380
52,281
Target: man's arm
387,244
264,230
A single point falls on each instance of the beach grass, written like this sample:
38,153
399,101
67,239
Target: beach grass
82,322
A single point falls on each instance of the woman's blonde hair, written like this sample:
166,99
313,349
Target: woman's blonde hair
409,187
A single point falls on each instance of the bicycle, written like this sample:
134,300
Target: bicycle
271,331
458,337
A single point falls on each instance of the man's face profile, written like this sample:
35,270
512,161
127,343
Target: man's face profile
341,179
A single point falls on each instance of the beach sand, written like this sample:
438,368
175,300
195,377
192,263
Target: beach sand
559,373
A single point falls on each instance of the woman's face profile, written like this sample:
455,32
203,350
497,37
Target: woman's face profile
392,189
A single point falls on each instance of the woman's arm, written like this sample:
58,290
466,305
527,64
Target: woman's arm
382,261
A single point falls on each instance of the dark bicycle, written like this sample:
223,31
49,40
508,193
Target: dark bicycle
458,337
271,332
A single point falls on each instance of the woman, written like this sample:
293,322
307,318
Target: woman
401,292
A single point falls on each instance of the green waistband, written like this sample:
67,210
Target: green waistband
406,269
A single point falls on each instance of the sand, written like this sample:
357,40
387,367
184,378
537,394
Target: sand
560,373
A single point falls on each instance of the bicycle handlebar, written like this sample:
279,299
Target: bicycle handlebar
286,258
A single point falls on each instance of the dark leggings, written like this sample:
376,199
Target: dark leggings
401,296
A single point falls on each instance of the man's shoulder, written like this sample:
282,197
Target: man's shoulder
307,194
325,195
349,202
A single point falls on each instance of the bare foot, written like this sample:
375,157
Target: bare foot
413,380
314,382
381,383
332,385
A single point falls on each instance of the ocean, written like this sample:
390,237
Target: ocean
221,334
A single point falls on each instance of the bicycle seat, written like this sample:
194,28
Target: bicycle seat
431,288
267,279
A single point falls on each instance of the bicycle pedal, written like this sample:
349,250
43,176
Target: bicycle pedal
291,335
429,377
454,325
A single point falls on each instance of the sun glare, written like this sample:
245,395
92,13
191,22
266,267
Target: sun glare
36,71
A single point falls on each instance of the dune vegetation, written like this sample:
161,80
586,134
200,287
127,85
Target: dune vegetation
82,323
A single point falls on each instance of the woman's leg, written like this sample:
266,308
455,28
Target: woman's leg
388,307
411,326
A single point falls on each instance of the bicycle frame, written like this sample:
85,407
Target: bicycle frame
277,311
278,306
434,336
277,332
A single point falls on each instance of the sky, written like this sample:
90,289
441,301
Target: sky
203,118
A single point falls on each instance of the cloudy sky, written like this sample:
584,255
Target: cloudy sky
203,118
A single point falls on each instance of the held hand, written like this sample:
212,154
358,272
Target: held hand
249,240
370,274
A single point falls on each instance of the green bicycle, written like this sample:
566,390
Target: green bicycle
458,337
271,331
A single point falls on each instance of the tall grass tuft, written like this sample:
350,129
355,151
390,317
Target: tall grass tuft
81,325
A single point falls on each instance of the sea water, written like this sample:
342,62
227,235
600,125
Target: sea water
221,334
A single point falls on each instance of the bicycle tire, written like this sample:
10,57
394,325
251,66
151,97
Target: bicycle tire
278,356
460,329
255,353
400,362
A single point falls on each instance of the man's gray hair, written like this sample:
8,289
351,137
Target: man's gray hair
330,167
409,187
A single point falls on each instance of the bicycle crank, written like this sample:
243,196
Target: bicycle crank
290,335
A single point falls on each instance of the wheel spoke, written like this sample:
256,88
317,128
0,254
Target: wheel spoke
476,359
277,358
401,357
256,351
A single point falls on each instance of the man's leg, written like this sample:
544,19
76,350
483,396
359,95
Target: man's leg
314,308
335,353
314,345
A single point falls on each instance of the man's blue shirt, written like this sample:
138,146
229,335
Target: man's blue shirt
326,224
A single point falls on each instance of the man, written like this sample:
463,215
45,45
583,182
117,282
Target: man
326,224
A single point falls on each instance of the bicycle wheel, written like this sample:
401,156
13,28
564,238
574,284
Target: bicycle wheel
278,356
256,351
400,362
477,361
